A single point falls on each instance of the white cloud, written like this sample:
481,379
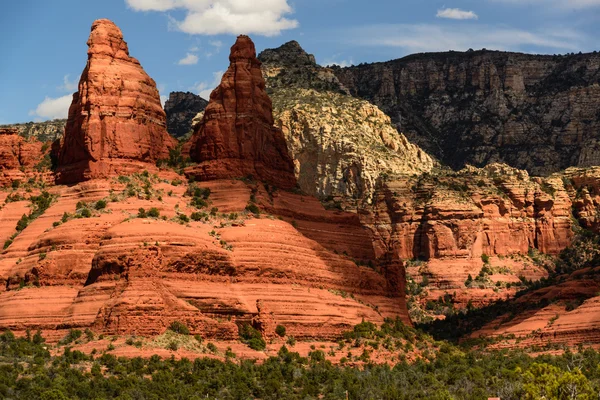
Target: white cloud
217,44
340,63
189,59
68,86
194,49
162,88
427,37
52,108
203,89
456,13
214,17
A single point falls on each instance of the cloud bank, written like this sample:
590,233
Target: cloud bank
52,108
417,38
456,13
214,17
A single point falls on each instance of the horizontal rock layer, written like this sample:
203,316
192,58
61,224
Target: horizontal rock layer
118,274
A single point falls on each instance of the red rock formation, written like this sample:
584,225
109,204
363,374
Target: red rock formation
236,137
565,313
454,221
16,152
17,156
136,275
115,120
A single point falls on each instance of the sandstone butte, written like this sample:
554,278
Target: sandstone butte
318,272
80,265
237,136
115,120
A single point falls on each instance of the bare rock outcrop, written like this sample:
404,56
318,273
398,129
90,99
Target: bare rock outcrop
46,131
181,108
340,144
237,136
19,156
116,121
533,112
483,223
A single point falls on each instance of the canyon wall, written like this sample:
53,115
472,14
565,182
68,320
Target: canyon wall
539,113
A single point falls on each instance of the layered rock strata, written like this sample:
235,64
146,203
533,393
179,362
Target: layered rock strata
483,223
20,158
533,112
118,274
115,120
237,136
46,131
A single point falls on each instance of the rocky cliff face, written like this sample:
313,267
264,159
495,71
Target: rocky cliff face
181,108
237,136
538,113
341,145
116,119
47,131
472,236
21,159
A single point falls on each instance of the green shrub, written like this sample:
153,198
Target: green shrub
280,330
198,216
317,355
86,213
469,280
485,258
22,223
141,213
211,347
179,327
229,353
154,213
183,218
251,337
15,184
72,336
253,208
100,204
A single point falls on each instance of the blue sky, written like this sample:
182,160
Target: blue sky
184,44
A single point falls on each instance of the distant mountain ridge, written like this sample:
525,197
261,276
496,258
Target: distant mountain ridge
47,131
535,112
